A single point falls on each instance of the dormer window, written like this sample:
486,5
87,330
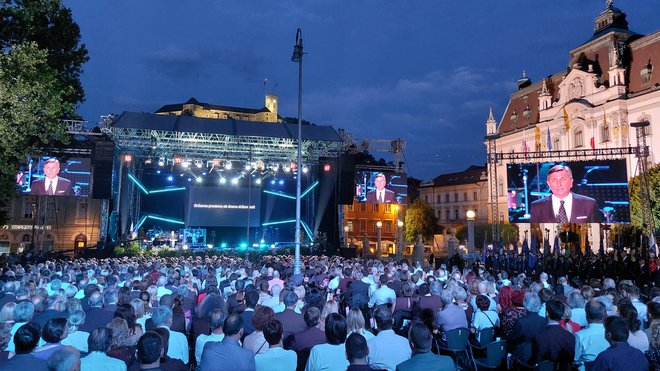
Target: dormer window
514,115
527,112
646,73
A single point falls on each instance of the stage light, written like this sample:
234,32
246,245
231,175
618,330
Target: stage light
294,166
326,168
210,246
228,165
185,247
223,180
287,169
248,167
161,162
258,181
147,161
128,158
198,164
190,179
204,173
305,169
281,182
262,240
181,175
234,181
272,182
223,245
170,178
272,246
178,160
157,171
259,165
199,179
185,164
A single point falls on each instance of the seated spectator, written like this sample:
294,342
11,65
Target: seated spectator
330,356
637,338
356,324
513,312
7,313
76,338
217,319
590,341
256,342
149,351
127,312
484,318
26,339
23,313
357,351
576,302
53,332
65,359
620,355
653,354
421,340
228,353
167,363
554,343
178,344
387,349
451,316
120,346
293,322
305,340
276,358
382,295
566,323
99,343
251,298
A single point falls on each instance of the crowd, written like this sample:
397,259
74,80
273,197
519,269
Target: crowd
226,313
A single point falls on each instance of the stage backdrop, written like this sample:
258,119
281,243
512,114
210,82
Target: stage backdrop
396,187
223,207
75,173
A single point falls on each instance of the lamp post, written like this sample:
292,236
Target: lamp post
298,58
399,238
346,242
379,226
470,222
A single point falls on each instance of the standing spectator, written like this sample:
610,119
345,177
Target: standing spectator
590,341
251,298
276,358
23,313
554,343
387,349
305,340
228,353
330,356
293,322
96,316
26,339
620,355
421,339
97,360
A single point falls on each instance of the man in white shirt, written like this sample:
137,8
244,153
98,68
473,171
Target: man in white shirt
217,320
178,345
387,349
97,359
383,295
276,358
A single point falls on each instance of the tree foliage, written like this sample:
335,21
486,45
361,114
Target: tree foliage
420,219
636,197
508,232
32,104
50,25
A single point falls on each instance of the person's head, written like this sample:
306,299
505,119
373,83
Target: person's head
575,300
629,313
149,348
120,333
138,308
482,302
518,298
127,312
99,340
595,311
55,330
23,312
251,298
560,180
217,319
383,317
329,307
162,316
380,181
76,319
26,338
290,299
335,329
446,297
356,348
312,316
51,168
273,332
233,325
165,335
96,299
7,312
64,359
459,294
545,295
554,310
420,337
262,315
655,334
616,329
355,321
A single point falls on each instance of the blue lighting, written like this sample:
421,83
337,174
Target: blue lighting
170,178
279,222
281,182
167,220
170,189
309,189
309,231
137,183
280,194
272,182
223,245
157,171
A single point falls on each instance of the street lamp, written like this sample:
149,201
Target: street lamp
298,58
346,242
399,235
379,225
470,222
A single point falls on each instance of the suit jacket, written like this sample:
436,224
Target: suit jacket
292,322
554,344
64,187
308,338
355,288
42,317
427,361
96,317
389,197
226,355
584,210
524,331
25,362
247,322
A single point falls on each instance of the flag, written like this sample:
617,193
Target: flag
515,247
601,248
483,249
549,140
546,246
534,246
555,246
537,138
567,123
525,247
592,142
605,128
524,146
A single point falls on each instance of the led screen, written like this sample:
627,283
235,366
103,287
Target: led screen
223,207
591,191
381,187
54,176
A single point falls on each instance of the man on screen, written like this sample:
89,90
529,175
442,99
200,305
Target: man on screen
563,206
381,195
51,184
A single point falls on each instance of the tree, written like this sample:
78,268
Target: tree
32,104
634,190
508,232
49,24
420,219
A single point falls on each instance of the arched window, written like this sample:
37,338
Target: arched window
578,139
604,133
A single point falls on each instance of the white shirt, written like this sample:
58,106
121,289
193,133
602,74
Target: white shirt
178,347
387,350
276,359
49,182
78,340
201,341
99,361
568,203
383,295
327,357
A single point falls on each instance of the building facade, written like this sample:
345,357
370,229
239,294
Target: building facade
452,195
361,226
193,107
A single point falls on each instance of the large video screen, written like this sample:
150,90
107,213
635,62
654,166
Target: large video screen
568,192
54,176
381,187
223,207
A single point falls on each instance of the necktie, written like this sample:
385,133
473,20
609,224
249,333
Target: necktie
49,190
381,198
562,217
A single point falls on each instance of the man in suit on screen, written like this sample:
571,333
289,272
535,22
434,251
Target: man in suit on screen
563,206
381,195
51,184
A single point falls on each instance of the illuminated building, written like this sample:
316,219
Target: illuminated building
213,111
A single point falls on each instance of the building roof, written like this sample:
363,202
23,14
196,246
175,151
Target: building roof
179,107
471,175
176,123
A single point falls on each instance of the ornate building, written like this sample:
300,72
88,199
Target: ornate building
193,107
611,81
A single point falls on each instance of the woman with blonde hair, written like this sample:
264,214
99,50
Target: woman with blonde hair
120,345
7,313
141,315
355,323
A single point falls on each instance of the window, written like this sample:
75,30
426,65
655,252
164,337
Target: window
388,226
388,208
350,207
447,214
438,199
474,196
465,196
500,188
578,139
555,144
375,208
426,198
455,196
604,133
81,210
446,197
363,207
363,225
456,214
350,225
28,207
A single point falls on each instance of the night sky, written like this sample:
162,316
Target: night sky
425,71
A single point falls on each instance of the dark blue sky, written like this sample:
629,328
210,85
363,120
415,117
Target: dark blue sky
425,71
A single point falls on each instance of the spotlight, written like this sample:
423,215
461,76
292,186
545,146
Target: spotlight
190,179
170,178
198,164
185,164
128,158
272,182
305,169
248,167
234,181
326,168
181,175
281,182
287,169
185,247
161,162
258,181
177,160
223,180
157,171
199,179
228,165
